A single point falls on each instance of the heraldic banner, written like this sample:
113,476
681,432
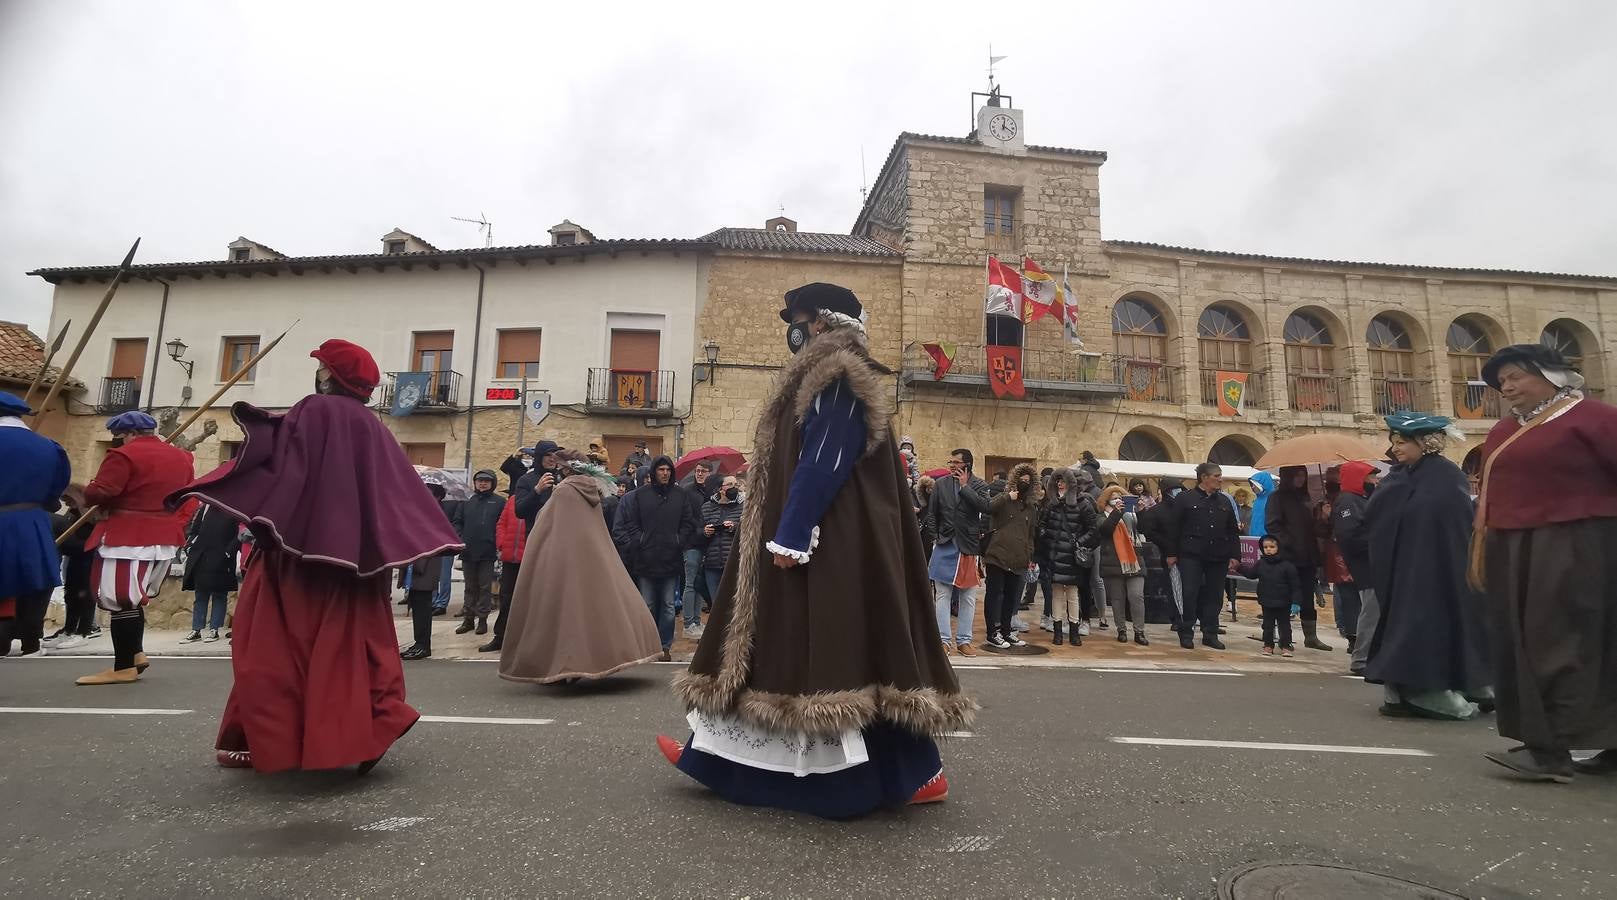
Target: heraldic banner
1231,392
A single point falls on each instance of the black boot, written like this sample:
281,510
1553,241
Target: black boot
1056,627
1353,643
464,626
492,646
1311,637
482,624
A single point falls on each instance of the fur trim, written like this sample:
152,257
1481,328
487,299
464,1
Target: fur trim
923,710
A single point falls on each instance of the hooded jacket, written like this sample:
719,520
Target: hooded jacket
1263,487
477,519
1290,518
1067,521
1347,521
530,501
1015,522
1278,583
656,523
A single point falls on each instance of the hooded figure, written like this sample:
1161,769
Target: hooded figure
1263,487
334,504
1430,648
575,612
653,526
35,474
820,678
533,489
1290,518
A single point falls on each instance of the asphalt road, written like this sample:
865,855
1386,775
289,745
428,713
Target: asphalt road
1044,801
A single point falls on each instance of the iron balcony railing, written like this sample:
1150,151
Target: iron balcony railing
1312,392
119,395
1475,400
630,391
1055,371
1257,392
439,390
1393,395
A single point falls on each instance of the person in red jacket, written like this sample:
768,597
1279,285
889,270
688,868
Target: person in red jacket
137,542
510,539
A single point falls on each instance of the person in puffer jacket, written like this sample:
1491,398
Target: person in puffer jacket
1067,519
721,519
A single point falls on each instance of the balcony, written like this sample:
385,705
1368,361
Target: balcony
1091,375
1475,400
1394,395
118,395
1319,392
1257,391
439,394
630,392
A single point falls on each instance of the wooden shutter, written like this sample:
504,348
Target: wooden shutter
128,358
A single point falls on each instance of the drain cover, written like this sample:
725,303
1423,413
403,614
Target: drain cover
1320,881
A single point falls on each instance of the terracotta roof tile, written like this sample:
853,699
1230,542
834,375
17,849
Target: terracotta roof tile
21,352
766,240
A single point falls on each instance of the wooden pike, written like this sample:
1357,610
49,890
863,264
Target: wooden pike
191,419
45,366
67,370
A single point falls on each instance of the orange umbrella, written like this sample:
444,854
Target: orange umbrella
1317,450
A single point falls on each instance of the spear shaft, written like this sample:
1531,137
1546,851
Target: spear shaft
45,366
61,379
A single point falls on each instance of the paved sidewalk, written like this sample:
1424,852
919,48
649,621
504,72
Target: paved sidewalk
1100,650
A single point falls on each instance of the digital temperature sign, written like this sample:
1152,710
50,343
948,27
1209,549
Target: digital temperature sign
501,393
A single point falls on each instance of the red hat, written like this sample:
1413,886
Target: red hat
351,365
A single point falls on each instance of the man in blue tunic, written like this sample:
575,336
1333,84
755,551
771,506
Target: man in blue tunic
31,484
819,681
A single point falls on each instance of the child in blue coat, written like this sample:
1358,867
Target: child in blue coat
1278,588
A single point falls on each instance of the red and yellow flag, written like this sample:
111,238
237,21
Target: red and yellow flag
1041,295
942,358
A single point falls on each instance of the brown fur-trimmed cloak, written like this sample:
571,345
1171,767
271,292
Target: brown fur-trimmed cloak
850,638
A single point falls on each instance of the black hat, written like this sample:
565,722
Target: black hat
817,296
1535,357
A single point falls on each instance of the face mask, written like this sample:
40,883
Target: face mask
797,336
731,493
527,462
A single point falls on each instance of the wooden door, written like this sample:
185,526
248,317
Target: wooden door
634,358
128,358
423,454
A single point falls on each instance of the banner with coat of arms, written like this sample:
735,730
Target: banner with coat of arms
1140,378
409,389
1231,392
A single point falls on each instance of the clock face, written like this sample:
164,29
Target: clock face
1002,127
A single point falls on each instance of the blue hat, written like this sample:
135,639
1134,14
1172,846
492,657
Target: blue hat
134,420
1412,424
12,405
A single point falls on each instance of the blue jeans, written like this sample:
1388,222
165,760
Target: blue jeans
659,596
440,597
199,609
693,571
713,576
945,594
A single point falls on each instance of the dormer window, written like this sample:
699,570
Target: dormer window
240,254
566,238
395,246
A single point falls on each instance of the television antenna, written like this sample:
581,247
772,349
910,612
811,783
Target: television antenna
484,227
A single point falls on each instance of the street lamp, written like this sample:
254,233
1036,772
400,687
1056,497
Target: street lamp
711,349
176,350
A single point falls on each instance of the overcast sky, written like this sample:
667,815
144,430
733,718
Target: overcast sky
1445,133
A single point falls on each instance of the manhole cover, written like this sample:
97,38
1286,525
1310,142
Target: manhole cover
1024,650
1320,881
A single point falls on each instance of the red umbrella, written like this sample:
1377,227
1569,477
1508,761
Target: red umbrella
723,459
937,473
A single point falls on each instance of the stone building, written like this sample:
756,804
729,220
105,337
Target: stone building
676,341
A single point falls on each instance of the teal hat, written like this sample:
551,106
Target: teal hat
1412,424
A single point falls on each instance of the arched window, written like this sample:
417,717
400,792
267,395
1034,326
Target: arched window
1230,451
1225,344
1469,348
1140,446
1311,364
1558,336
1392,367
1139,331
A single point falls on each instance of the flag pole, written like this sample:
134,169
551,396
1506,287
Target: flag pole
206,405
56,386
45,366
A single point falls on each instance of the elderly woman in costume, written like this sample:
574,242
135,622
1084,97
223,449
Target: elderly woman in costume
1430,649
31,484
140,537
1549,509
820,681
575,613
334,504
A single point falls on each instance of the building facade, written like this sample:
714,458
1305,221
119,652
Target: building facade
676,341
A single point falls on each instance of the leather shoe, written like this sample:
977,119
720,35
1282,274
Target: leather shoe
1602,763
1186,643
415,651
1212,643
142,663
110,676
464,627
482,626
492,646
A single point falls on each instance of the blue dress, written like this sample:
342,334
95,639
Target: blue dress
35,473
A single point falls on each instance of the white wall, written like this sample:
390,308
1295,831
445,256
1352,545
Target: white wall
570,300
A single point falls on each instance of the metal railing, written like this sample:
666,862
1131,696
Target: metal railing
630,391
1318,392
440,394
1392,395
1257,391
1475,400
1052,370
119,395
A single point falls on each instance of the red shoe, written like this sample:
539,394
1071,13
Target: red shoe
671,748
234,759
934,791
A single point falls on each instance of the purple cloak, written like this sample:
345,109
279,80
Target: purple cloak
328,483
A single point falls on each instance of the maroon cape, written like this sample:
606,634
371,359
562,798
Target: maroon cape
335,504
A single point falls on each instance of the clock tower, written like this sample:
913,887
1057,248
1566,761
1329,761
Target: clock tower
999,127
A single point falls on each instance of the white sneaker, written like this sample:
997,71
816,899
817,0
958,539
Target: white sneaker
213,635
70,641
55,638
1016,641
191,638
694,632
1017,625
1045,624
998,641
42,652
1083,629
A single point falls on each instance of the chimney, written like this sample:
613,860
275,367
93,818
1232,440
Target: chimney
781,223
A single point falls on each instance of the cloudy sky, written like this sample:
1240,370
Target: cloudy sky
1447,133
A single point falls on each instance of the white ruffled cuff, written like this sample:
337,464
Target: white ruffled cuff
802,556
